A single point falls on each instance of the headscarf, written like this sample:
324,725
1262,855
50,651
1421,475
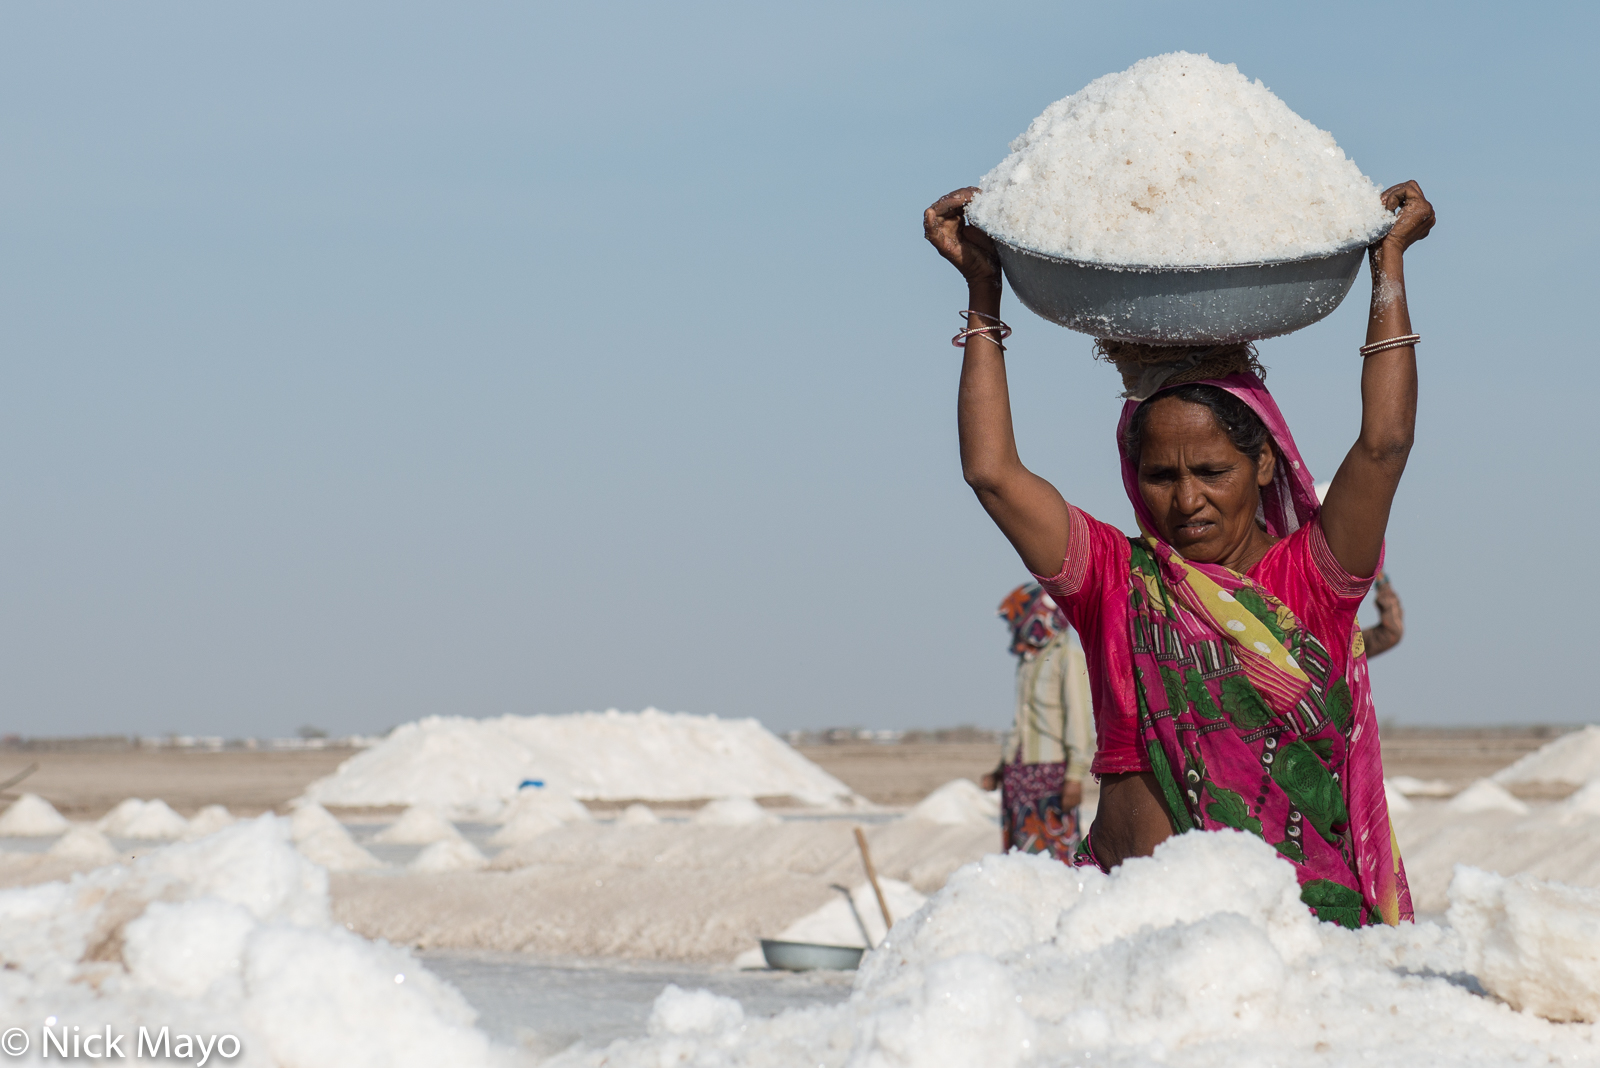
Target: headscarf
1034,618
1287,504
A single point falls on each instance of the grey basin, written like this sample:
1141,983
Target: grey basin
806,956
1181,305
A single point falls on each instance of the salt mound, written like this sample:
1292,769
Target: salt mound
418,825
1414,787
534,812
1486,796
561,807
229,936
1535,945
957,802
309,818
31,816
1177,160
85,843
209,820
134,818
334,849
1201,955
449,854
733,812
323,840
1573,759
637,815
468,768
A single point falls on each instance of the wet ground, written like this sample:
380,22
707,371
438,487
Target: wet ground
546,1006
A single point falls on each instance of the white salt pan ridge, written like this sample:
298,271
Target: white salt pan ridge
1201,956
957,802
1572,760
31,816
1177,160
469,768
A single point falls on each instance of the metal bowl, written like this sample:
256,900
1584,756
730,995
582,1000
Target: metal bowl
806,956
1181,305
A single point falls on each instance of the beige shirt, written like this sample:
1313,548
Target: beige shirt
1054,721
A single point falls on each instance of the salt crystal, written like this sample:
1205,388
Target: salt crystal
1178,160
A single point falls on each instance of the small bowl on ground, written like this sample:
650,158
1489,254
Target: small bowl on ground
1219,304
810,956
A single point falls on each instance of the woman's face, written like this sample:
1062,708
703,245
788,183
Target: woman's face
1202,491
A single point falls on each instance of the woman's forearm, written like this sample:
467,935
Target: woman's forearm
1379,639
1388,378
983,406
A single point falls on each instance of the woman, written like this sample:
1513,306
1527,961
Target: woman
1228,687
1045,757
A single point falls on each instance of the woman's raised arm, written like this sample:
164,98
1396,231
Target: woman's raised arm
1356,512
1027,509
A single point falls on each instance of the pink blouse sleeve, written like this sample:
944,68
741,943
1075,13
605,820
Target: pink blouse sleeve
1092,590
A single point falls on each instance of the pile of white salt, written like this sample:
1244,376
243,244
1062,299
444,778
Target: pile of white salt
1177,161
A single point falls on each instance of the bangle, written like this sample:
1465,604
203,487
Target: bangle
996,333
1403,341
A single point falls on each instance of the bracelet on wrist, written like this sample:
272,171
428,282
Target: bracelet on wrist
997,331
1403,341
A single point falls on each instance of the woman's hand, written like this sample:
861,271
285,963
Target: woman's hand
969,248
1412,225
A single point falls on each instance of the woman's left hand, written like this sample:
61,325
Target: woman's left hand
1416,217
1071,794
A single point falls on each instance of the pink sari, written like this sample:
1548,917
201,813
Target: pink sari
1237,707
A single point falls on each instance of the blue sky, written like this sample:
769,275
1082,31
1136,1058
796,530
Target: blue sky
374,361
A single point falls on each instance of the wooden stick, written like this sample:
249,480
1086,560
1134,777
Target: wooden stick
23,774
872,877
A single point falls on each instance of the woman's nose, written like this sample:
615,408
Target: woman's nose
1189,498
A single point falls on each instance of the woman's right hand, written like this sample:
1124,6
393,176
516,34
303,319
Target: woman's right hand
969,248
1415,218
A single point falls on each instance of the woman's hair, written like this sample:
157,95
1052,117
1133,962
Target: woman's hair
1244,428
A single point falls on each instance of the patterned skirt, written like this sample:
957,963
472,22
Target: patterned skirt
1031,817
